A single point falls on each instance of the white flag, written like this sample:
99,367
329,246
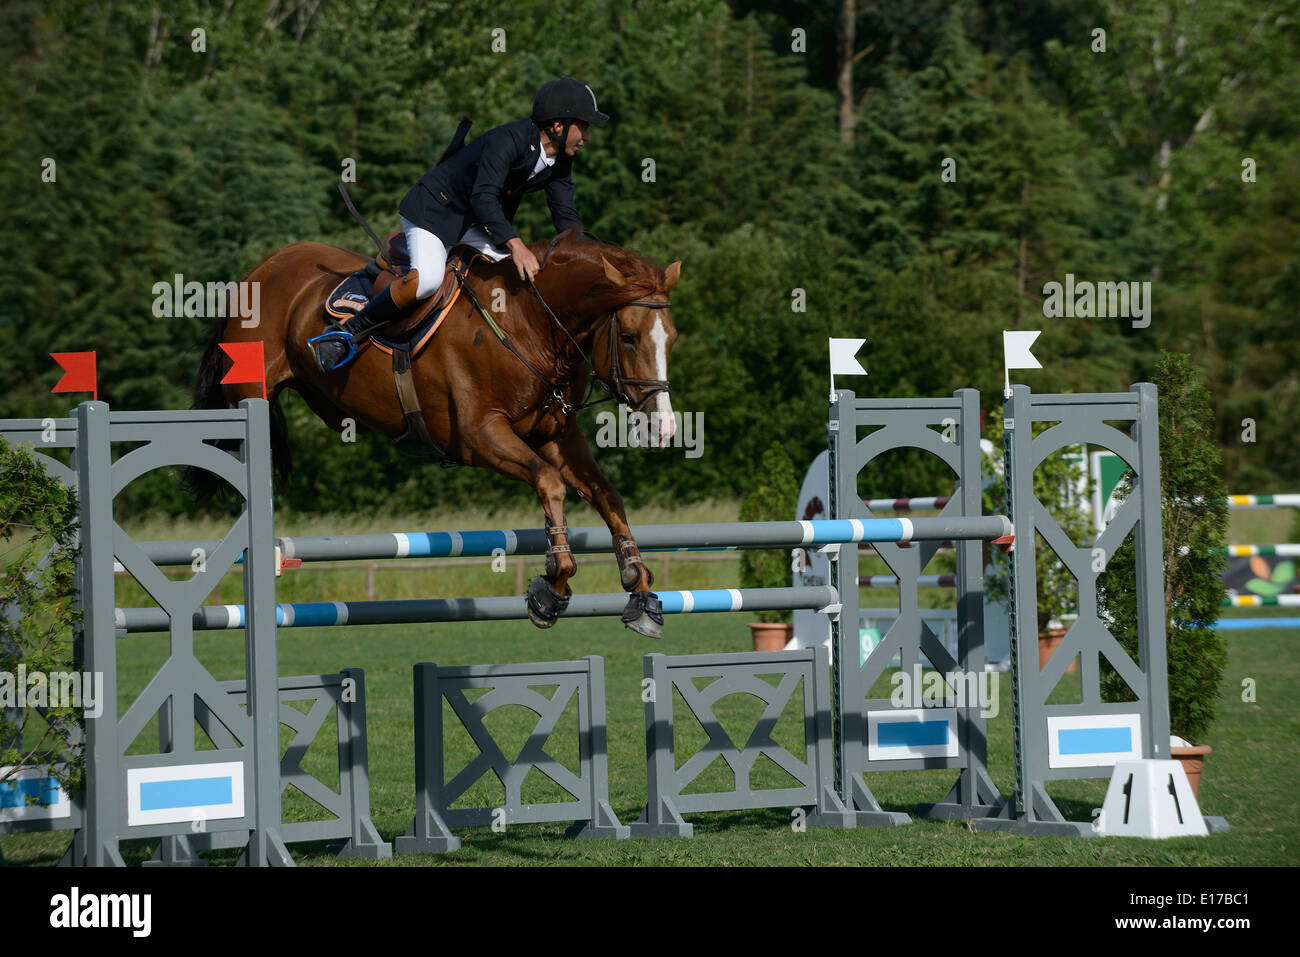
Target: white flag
1015,347
1016,355
844,360
844,357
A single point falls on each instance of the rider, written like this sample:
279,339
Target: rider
471,197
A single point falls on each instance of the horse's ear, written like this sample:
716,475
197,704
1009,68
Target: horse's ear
612,274
671,275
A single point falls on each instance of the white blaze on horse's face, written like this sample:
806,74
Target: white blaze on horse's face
654,325
666,426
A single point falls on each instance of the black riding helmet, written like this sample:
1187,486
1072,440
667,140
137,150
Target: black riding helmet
565,99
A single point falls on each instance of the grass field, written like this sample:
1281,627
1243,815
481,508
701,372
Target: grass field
1250,778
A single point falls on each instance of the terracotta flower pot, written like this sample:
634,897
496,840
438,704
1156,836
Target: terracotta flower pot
771,635
1193,758
1047,642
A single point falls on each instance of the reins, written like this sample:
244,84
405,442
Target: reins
558,389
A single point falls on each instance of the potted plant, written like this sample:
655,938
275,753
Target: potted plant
1194,511
1057,484
773,497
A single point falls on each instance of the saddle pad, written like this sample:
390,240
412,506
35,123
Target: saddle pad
350,296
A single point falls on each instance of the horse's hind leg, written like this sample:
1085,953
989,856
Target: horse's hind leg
505,452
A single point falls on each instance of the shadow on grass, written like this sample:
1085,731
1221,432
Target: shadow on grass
715,822
1075,809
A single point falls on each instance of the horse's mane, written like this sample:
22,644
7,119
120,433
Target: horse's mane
583,254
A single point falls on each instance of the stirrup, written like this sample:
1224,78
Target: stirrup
336,333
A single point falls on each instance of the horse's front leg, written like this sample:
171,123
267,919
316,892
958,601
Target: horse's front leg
500,449
571,455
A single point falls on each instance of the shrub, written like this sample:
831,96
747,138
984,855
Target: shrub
37,594
1194,513
773,497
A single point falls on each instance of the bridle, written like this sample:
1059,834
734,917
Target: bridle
618,389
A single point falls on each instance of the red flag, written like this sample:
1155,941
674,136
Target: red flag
248,364
78,372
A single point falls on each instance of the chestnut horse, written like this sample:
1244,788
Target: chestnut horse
595,307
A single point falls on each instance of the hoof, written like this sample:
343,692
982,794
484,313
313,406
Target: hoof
644,614
544,605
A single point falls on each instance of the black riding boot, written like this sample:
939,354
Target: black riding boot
336,347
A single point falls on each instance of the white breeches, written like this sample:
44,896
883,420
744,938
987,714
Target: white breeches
428,255
477,237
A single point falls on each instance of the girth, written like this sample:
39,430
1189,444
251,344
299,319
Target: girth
416,440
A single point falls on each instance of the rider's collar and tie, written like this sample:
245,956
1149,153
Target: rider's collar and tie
543,161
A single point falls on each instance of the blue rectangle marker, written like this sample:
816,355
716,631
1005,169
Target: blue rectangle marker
14,793
187,792
1095,740
912,734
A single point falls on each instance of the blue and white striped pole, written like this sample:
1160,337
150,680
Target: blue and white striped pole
331,613
715,536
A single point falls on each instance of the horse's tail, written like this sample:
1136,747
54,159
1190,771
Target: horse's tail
208,394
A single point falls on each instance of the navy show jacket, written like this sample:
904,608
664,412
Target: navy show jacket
484,182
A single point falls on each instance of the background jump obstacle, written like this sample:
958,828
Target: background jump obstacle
192,797
848,733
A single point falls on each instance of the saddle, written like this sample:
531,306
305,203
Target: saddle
415,329
404,338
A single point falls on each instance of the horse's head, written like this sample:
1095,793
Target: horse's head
621,307
631,352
